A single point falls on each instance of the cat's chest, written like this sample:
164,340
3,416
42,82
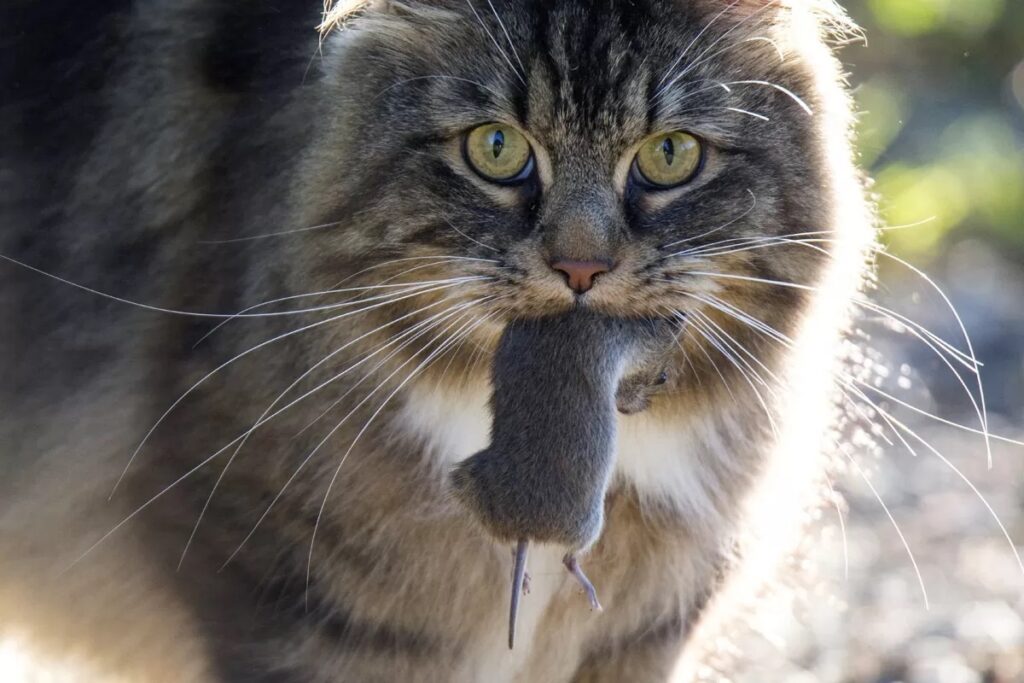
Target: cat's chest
660,458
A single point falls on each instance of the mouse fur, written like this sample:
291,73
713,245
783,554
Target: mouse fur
558,381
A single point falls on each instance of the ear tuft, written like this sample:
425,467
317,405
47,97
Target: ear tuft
337,12
745,8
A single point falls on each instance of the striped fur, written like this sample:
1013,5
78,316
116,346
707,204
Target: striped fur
146,142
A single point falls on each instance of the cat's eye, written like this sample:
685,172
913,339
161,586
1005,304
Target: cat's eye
498,153
668,159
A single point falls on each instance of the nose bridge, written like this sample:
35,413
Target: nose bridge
582,218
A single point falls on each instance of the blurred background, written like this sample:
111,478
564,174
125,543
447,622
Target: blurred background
940,84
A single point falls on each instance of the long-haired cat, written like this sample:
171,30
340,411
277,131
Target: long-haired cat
254,274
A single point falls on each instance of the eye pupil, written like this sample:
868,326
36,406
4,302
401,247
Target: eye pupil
497,143
667,160
669,150
498,153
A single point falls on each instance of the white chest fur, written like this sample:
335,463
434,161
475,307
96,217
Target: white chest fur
666,460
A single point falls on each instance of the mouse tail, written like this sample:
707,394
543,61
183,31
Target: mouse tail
518,576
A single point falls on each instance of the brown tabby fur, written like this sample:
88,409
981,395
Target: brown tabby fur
145,140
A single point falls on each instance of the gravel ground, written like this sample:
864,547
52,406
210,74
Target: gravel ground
872,625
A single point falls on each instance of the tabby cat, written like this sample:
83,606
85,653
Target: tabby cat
253,274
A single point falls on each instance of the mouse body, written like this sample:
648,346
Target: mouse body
556,390
557,384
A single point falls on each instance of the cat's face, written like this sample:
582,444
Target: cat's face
661,141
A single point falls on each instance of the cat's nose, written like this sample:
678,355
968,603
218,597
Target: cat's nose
580,274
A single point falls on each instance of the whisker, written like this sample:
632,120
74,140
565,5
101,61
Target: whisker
700,57
418,333
188,474
967,340
711,362
471,239
699,35
271,234
192,314
938,290
494,40
511,44
334,290
261,418
362,431
899,532
742,244
898,427
761,117
498,95
701,325
764,39
933,416
970,485
783,239
785,91
835,498
310,455
410,258
961,357
753,203
725,337
263,344
750,278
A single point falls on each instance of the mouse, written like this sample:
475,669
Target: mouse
558,382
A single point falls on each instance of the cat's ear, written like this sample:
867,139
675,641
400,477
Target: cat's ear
339,12
746,8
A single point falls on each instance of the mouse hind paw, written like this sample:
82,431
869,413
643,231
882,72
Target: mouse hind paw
573,565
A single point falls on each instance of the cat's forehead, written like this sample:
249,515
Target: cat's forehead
583,74
590,77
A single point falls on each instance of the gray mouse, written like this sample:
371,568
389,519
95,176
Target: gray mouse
558,382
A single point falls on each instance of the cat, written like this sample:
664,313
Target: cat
253,274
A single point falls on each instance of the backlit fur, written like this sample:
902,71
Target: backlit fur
145,143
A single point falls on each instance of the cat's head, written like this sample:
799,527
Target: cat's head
640,157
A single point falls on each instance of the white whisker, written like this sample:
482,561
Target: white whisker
499,96
785,91
262,418
310,455
334,290
471,239
271,234
701,57
511,43
263,344
430,358
899,532
494,40
702,325
762,117
753,203
699,35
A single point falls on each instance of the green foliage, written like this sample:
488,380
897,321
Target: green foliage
918,17
942,117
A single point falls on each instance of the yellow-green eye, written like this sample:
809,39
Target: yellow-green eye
669,159
498,152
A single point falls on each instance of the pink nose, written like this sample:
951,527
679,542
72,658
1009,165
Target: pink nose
580,274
